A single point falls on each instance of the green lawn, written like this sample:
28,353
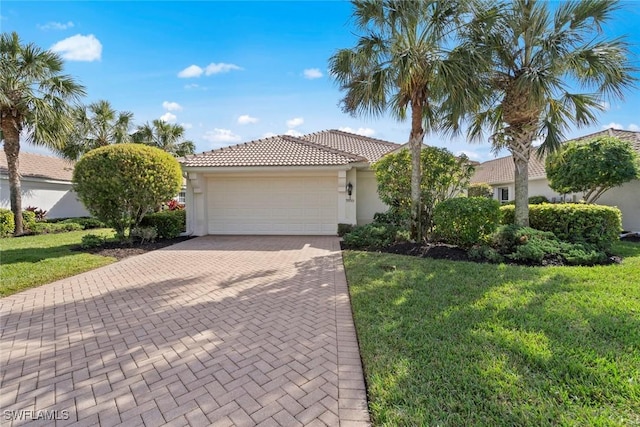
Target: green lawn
456,343
35,260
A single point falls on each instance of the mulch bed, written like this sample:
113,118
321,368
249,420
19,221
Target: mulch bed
123,250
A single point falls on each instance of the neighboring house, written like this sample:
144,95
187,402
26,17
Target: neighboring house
284,185
45,183
499,173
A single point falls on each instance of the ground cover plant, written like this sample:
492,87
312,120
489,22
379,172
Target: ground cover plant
457,343
35,260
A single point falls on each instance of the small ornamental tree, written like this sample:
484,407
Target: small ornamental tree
592,167
480,189
443,177
121,183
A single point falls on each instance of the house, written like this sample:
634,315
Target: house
284,185
499,173
45,184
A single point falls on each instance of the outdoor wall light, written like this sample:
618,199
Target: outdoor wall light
349,189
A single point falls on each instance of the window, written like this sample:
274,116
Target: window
182,196
503,194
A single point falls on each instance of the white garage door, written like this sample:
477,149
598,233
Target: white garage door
273,205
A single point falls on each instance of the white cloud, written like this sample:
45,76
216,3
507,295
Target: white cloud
613,125
79,48
470,154
191,71
186,125
221,67
312,73
168,117
634,127
221,135
293,132
269,135
55,26
295,122
605,105
246,119
359,131
171,106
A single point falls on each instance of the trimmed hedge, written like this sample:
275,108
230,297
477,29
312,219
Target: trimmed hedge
7,224
466,221
28,220
168,224
576,223
51,228
374,235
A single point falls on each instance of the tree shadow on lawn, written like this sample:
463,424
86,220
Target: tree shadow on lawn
91,347
456,343
14,256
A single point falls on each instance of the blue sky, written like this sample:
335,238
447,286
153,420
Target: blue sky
232,72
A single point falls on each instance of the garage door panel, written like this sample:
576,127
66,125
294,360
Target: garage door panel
272,205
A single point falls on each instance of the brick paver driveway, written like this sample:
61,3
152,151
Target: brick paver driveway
212,331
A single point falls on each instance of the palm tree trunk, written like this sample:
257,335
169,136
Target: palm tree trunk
521,161
415,143
11,136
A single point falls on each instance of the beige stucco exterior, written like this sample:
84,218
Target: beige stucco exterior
280,200
55,197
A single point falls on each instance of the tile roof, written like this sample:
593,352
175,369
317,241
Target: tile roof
39,166
500,171
327,148
369,148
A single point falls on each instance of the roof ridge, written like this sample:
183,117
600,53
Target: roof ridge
229,147
377,140
323,147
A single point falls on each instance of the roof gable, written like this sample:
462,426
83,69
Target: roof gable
327,148
502,170
39,166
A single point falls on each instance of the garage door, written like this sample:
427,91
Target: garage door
273,205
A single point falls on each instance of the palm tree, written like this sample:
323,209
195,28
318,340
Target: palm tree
97,125
539,58
35,100
406,62
166,136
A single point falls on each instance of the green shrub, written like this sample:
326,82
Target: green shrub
86,223
465,221
344,229
144,234
92,241
481,189
28,220
538,200
7,225
168,224
533,246
51,228
372,235
396,217
120,183
485,253
574,223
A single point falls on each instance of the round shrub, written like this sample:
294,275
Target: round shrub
7,224
466,221
480,189
28,219
121,183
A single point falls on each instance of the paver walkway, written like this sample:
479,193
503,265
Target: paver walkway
212,331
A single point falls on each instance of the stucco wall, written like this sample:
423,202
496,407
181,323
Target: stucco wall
368,203
627,199
55,197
